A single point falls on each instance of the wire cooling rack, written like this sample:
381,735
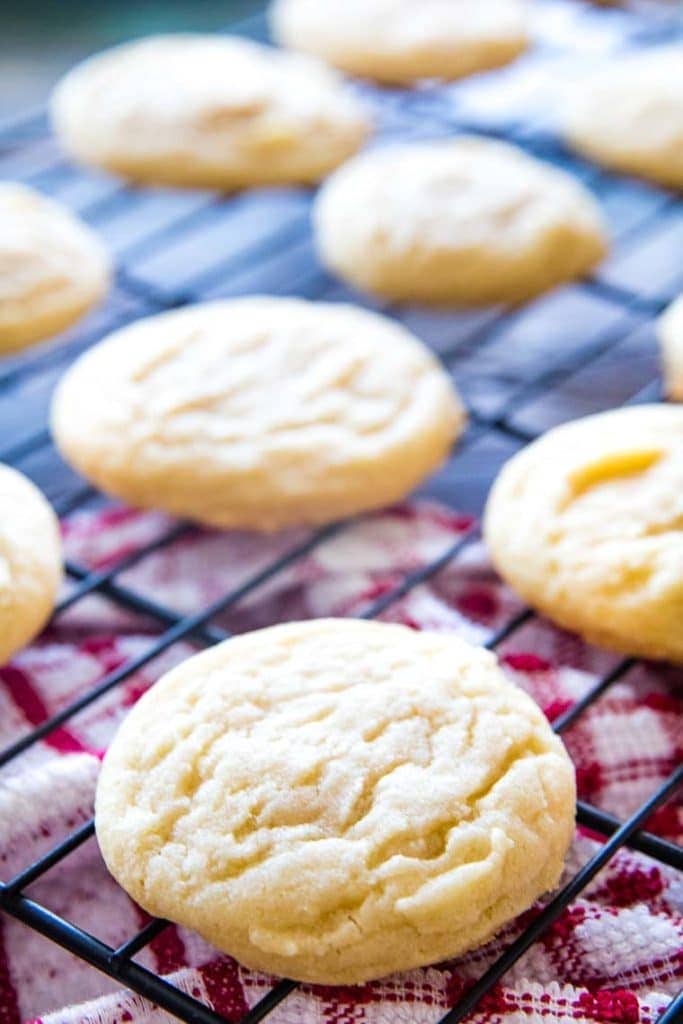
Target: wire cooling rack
583,348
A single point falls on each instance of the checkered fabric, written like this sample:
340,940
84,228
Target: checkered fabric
612,956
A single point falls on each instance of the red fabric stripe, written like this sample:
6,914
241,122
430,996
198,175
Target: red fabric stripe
169,951
224,988
168,948
34,709
9,1005
617,1005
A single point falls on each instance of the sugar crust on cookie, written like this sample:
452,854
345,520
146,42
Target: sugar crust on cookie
629,115
401,41
53,268
337,800
258,413
468,221
30,561
586,524
209,112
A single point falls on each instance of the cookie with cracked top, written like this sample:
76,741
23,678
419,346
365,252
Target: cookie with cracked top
585,523
337,800
466,221
53,268
30,561
258,413
203,111
401,41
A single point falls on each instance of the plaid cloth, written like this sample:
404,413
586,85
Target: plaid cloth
614,955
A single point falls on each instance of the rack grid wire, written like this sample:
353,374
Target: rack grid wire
520,372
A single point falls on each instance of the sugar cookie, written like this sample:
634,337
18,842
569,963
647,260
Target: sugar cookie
586,524
629,116
30,561
670,330
468,221
258,413
207,111
52,267
400,41
337,800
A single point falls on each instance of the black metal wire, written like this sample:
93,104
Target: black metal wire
566,720
269,1002
183,627
103,957
58,852
148,934
54,356
673,1014
119,963
414,579
553,909
136,602
606,824
90,581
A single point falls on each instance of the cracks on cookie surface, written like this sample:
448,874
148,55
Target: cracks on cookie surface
428,846
671,525
611,467
332,379
273,816
329,776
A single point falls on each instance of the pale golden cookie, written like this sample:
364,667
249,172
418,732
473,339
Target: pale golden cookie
52,267
670,331
587,525
30,561
400,41
258,413
468,221
207,111
629,116
337,800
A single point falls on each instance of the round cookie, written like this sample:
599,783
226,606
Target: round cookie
629,115
401,41
258,413
585,524
670,330
52,267
468,221
337,800
30,561
207,111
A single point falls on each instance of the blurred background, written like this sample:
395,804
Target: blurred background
39,41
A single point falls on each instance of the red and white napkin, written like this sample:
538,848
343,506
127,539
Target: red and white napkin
613,956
